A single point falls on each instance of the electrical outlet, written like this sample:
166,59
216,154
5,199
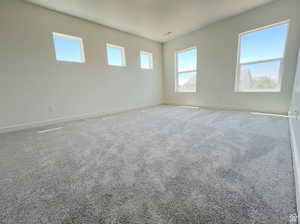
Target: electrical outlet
294,114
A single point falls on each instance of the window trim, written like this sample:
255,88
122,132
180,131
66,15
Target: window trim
188,71
151,60
122,52
281,60
69,37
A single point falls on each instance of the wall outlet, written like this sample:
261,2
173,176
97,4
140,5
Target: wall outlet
294,114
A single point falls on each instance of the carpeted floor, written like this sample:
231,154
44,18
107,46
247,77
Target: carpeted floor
161,165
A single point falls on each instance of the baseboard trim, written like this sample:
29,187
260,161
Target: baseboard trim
296,165
227,109
37,124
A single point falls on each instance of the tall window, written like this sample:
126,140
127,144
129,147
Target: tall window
261,57
186,70
68,48
115,55
146,60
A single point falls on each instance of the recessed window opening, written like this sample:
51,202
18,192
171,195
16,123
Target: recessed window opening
146,60
115,55
186,70
261,58
68,48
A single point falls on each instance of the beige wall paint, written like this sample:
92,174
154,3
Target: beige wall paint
217,56
35,88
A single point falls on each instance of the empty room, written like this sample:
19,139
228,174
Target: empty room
149,112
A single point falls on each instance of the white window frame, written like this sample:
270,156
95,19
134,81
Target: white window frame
177,72
122,52
281,60
69,37
150,57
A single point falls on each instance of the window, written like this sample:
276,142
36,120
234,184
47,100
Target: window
146,60
68,48
186,70
261,57
115,55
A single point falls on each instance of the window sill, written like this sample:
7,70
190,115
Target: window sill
117,65
185,91
63,61
259,91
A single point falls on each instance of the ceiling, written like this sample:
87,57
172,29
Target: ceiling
152,19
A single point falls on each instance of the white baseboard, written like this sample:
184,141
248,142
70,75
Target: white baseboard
226,108
296,165
37,124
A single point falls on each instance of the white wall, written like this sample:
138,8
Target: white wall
295,131
217,55
35,88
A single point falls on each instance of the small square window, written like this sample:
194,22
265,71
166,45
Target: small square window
68,48
146,60
115,55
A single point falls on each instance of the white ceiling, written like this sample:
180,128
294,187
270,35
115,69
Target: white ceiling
152,18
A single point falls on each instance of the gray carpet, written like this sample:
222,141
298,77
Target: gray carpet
161,165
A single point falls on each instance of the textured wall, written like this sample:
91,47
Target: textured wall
217,55
34,87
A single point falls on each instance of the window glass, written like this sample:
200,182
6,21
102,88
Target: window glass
263,45
187,60
146,60
187,82
260,76
261,59
115,55
186,74
68,48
